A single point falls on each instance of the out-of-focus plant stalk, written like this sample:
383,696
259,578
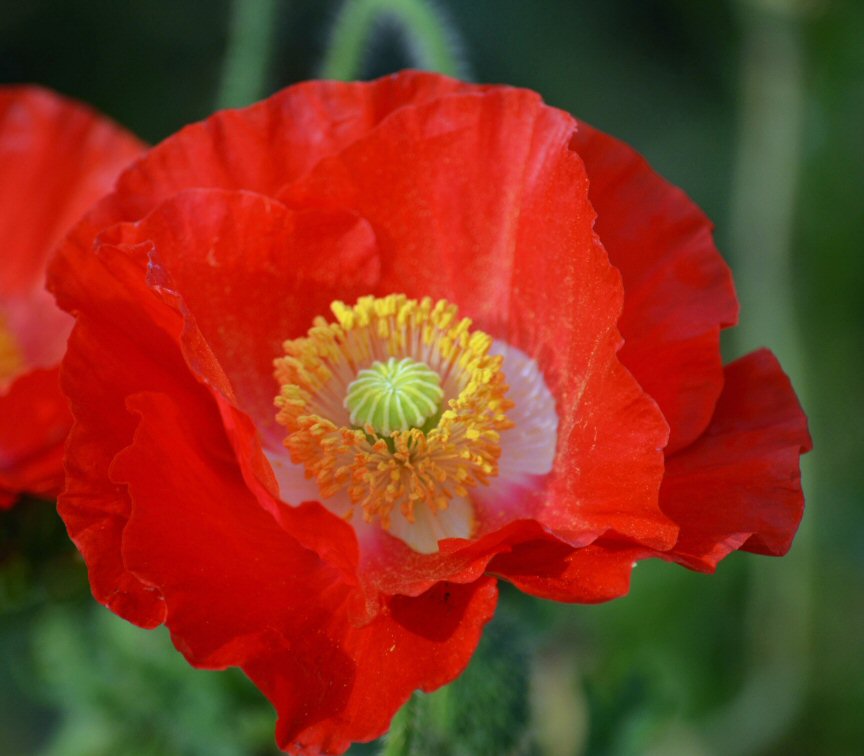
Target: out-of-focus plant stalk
429,41
247,57
766,178
559,708
398,741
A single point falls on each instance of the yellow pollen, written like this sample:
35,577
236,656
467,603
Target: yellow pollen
11,359
385,460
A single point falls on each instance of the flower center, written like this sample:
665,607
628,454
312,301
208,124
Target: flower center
11,359
398,403
394,395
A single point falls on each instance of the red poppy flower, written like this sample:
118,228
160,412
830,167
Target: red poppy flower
343,547
57,158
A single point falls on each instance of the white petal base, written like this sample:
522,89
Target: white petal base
422,535
528,448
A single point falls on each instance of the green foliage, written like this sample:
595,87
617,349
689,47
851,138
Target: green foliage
126,690
37,561
248,53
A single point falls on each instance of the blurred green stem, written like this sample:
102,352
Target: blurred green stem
766,178
428,40
247,57
397,742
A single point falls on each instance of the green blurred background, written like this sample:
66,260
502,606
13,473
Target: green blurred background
756,109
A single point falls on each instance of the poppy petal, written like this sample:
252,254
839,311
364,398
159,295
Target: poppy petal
263,146
57,157
740,483
445,233
679,289
423,642
597,572
122,329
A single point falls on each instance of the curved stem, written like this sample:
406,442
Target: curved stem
247,57
429,41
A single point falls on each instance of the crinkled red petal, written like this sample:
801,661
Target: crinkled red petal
125,330
739,484
553,570
251,274
737,487
229,573
679,291
263,146
57,157
449,223
422,642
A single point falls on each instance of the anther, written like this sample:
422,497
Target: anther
11,359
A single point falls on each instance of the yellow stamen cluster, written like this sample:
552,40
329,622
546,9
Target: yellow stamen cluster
11,359
406,467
